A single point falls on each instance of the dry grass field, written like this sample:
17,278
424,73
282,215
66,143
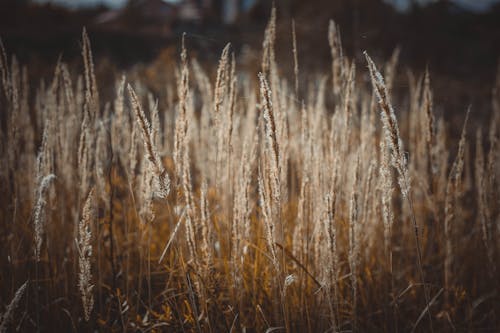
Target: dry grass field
233,200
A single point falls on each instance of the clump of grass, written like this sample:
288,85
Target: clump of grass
271,202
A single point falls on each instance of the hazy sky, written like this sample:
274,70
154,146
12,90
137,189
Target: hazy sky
476,5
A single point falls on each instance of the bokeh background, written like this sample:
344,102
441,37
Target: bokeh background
458,40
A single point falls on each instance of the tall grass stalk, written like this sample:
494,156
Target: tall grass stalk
399,162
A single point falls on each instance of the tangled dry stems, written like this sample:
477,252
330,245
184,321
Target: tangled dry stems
291,216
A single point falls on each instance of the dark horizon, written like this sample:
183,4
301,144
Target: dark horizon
459,47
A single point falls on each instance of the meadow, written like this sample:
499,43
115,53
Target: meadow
227,199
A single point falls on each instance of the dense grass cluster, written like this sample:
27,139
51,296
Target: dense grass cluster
248,202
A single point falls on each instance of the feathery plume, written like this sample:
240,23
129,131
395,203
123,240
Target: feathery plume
337,56
268,56
264,203
493,154
206,231
295,59
219,94
271,136
6,317
84,247
398,160
353,239
4,70
429,127
482,198
452,194
391,128
332,256
92,95
181,122
162,178
390,69
39,212
386,197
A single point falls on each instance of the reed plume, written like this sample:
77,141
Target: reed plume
398,160
161,174
6,317
39,212
295,59
453,188
84,247
337,56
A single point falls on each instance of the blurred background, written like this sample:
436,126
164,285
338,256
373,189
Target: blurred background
458,40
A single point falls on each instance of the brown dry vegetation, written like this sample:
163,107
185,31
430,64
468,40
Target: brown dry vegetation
244,202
